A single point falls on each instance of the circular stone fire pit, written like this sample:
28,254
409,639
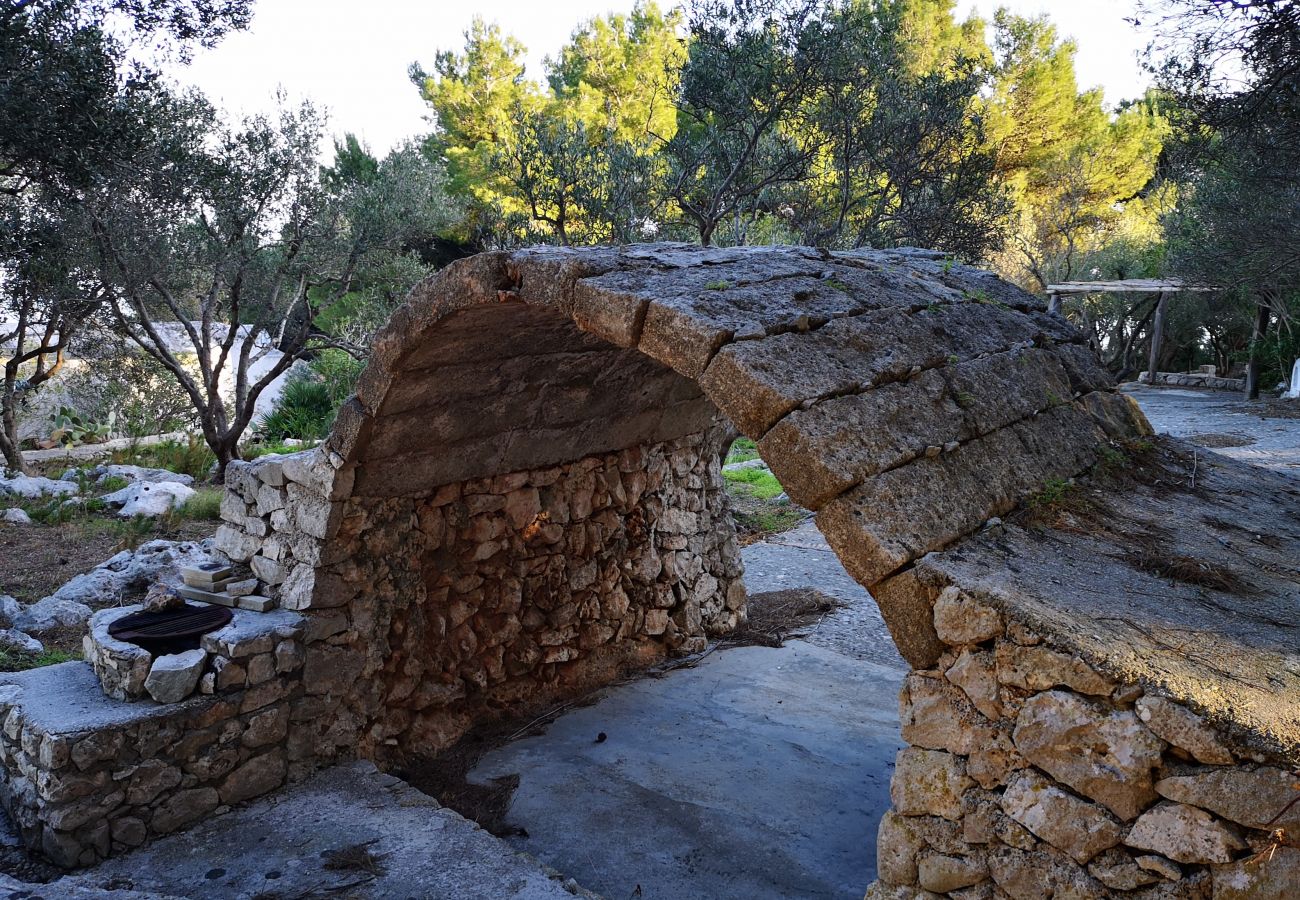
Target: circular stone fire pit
136,653
171,630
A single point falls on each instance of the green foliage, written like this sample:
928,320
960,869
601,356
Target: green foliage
304,410
742,450
1054,492
70,428
717,285
113,483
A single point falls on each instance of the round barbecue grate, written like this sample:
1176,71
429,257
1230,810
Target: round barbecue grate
170,630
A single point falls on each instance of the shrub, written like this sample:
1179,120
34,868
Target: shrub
193,458
304,410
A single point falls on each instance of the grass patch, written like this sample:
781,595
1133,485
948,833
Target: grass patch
18,661
127,534
1055,492
204,505
113,483
1186,570
760,523
839,285
253,451
719,285
192,458
758,483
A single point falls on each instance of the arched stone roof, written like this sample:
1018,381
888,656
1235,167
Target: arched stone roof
904,398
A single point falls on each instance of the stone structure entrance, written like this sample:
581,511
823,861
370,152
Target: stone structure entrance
524,496
524,499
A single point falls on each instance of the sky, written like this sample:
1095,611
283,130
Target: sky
351,56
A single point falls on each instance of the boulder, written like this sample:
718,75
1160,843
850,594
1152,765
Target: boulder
136,474
33,486
149,498
109,583
9,610
15,516
13,639
174,677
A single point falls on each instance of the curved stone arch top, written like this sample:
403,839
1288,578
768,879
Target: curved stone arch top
524,496
903,398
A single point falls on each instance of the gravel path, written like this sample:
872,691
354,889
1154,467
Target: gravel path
1204,417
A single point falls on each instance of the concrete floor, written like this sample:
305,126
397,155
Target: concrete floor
759,773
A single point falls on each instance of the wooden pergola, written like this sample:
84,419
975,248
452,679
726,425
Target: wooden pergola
1165,287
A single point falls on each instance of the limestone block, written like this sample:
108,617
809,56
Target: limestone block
1118,871
941,874
1041,668
236,544
1041,873
1251,797
975,673
929,783
1182,728
1273,878
183,808
935,715
1107,756
1184,833
897,847
174,677
959,619
150,779
1159,866
1076,827
267,570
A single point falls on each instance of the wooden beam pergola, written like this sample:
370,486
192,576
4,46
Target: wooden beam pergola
1165,287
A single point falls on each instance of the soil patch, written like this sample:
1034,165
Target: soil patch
1271,408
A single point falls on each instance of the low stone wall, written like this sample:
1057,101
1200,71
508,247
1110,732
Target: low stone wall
86,776
1195,380
490,594
1030,774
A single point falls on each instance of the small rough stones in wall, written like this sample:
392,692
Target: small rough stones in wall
1030,774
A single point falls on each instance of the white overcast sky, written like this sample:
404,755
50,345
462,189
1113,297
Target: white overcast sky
351,56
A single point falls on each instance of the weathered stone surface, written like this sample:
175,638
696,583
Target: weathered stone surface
959,619
929,783
1076,827
174,677
941,874
1184,729
1039,668
1118,871
183,808
1256,798
975,673
1184,833
257,776
1272,877
897,845
149,498
1042,873
1106,756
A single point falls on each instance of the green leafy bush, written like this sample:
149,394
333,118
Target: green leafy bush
193,458
303,410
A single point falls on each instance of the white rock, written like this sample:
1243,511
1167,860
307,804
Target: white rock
110,582
15,516
33,486
1184,833
174,677
149,498
13,639
9,610
137,474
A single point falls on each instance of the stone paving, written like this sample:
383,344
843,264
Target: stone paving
1273,443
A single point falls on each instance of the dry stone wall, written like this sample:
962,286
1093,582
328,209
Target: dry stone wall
1031,774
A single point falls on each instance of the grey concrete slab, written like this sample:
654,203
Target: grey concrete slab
1274,443
760,772
277,848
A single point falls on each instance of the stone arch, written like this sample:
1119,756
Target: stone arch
902,397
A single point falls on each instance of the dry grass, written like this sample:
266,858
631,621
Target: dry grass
1186,570
1218,440
777,616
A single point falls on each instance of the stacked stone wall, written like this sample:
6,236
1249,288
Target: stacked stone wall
428,614
98,778
1030,774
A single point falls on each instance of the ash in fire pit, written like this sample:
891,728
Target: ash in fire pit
169,631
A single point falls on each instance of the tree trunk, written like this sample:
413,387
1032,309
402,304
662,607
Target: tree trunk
1253,365
9,447
1157,335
